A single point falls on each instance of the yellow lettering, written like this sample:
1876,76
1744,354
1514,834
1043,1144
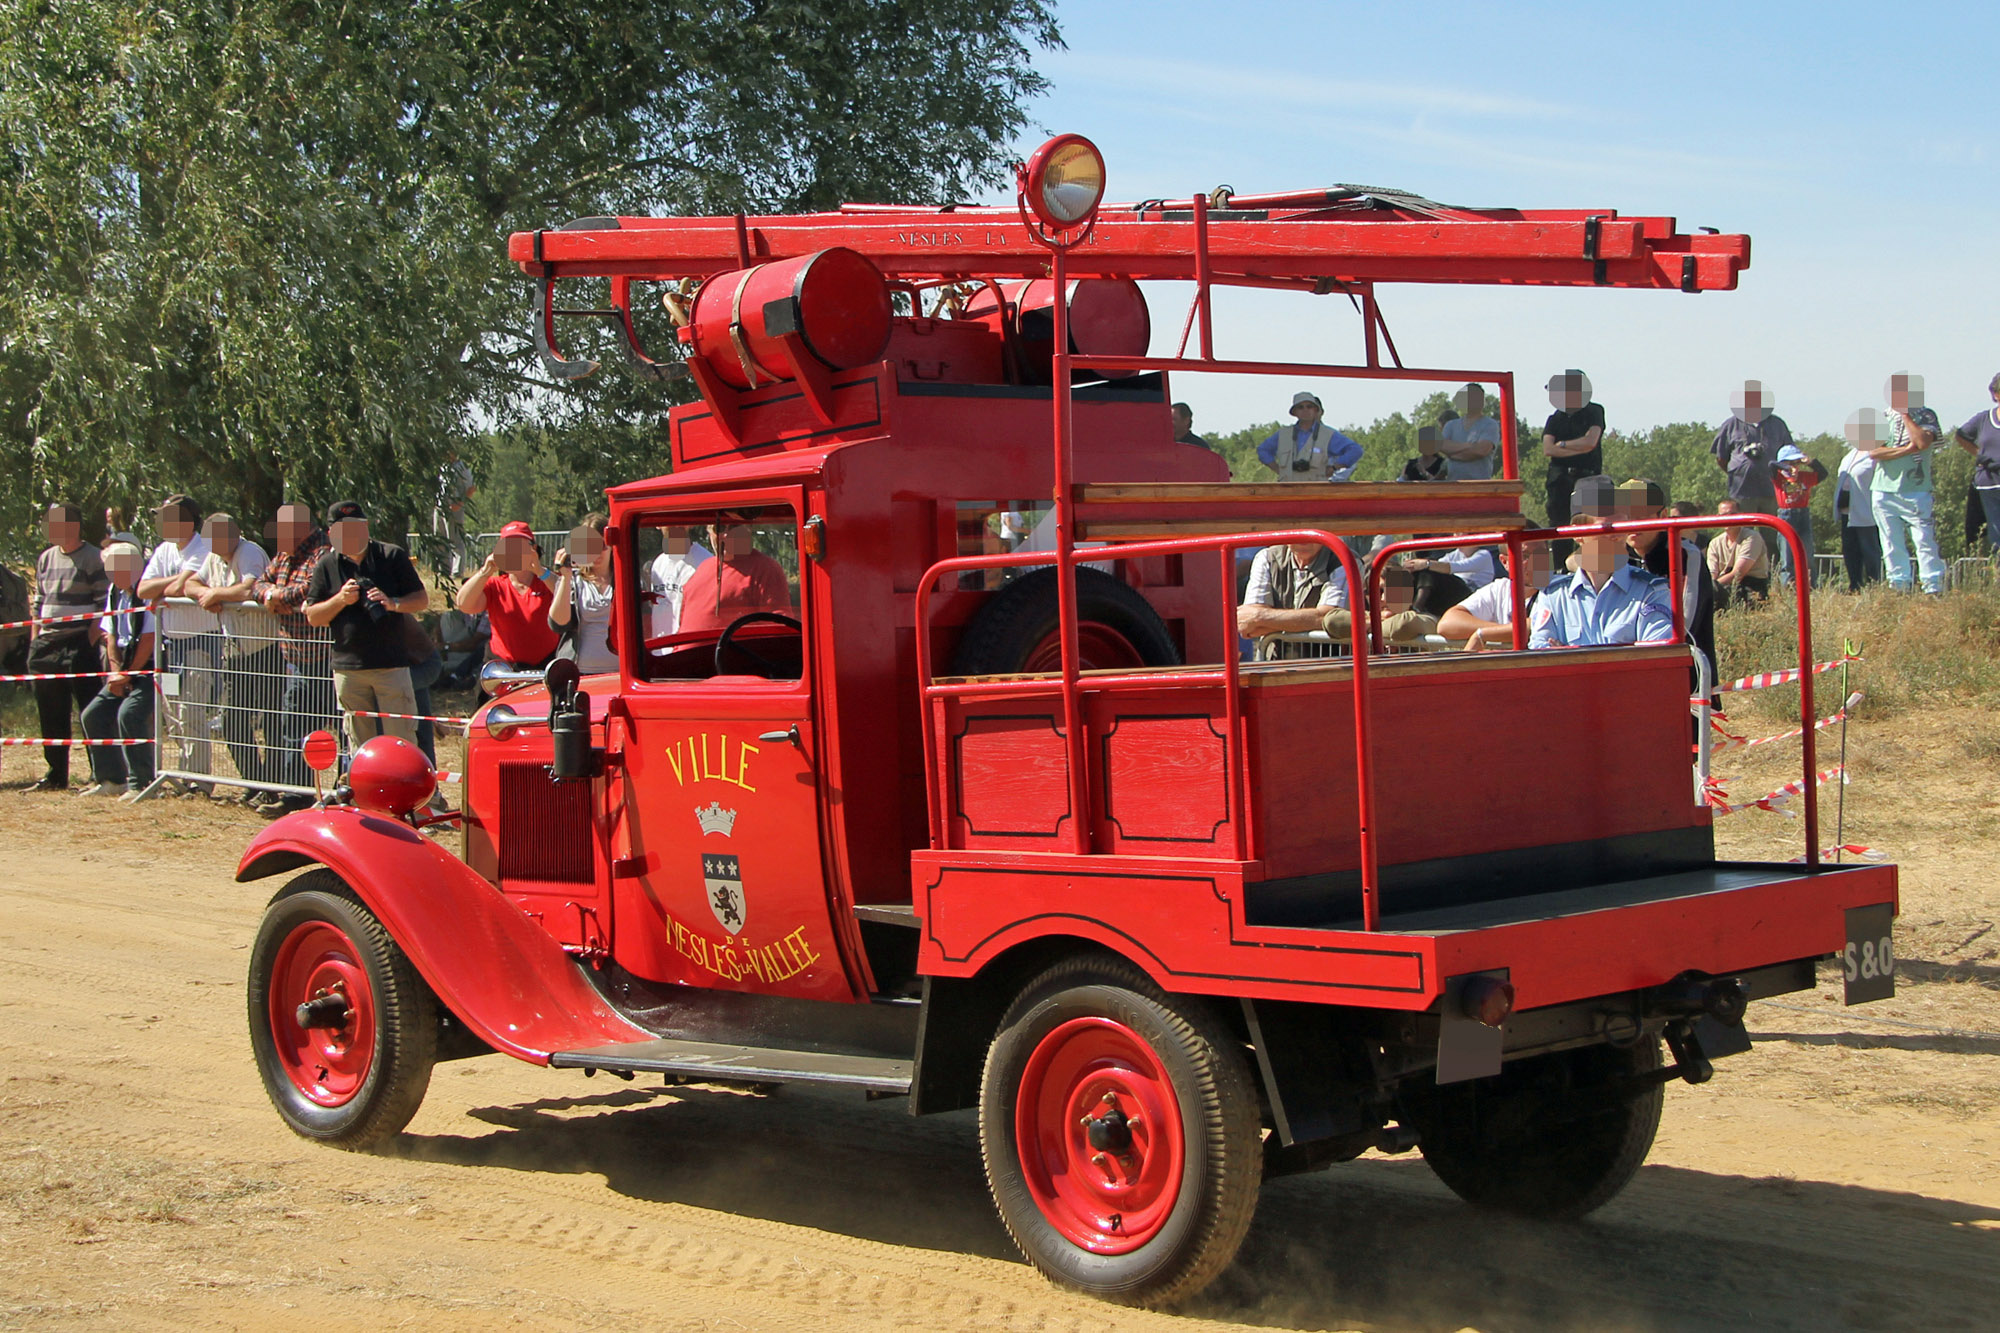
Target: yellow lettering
743,766
719,769
674,758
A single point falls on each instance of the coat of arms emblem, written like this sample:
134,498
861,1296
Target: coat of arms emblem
722,876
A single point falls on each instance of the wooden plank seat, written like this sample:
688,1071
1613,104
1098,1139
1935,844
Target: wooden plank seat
1137,510
1380,666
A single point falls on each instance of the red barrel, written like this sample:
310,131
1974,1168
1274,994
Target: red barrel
1107,317
835,300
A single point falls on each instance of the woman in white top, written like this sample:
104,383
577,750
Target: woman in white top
584,591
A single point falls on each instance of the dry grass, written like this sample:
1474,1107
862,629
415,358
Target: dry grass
1920,652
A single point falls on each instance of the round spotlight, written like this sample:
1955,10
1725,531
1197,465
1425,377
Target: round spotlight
1063,182
390,776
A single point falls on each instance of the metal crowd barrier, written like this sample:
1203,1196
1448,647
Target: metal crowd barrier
236,697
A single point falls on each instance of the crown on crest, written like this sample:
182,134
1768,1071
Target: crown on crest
715,819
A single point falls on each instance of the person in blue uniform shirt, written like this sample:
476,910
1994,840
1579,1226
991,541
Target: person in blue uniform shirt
1605,599
1310,450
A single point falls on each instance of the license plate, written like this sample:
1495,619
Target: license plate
1868,964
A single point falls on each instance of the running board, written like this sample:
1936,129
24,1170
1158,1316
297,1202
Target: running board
752,1064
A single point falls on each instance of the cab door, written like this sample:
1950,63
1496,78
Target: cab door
719,876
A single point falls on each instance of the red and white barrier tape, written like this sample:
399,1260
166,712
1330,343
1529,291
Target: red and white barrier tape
1850,849
449,776
68,675
35,623
1766,679
37,740
1775,802
1729,742
408,717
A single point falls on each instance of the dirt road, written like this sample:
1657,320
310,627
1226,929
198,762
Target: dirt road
1844,1174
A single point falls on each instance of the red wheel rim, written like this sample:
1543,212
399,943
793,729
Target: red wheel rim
1099,648
326,1064
1105,1200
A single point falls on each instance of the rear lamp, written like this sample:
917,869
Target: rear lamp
1487,1000
1063,182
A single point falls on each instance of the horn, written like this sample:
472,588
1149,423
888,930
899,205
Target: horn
502,722
496,677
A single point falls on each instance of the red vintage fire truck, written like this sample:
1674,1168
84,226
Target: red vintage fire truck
930,767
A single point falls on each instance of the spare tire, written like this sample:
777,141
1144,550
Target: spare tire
1016,631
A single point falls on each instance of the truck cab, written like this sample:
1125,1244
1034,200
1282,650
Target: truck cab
931,766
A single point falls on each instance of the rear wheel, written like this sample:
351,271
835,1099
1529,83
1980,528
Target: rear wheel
1120,1133
1555,1136
343,1028
1016,630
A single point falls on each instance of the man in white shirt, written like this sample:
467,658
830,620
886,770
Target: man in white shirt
1486,619
253,673
189,647
666,577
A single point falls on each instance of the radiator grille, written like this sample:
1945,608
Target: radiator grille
544,831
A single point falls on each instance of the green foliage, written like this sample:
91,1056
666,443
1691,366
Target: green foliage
255,247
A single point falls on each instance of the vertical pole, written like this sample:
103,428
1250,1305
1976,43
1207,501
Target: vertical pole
1066,610
1510,443
1233,752
1840,796
1802,591
1364,762
1202,287
1517,592
1369,319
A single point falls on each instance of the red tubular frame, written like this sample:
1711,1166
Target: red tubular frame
1228,675
1671,526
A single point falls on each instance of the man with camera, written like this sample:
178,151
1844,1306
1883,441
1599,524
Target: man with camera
360,590
1310,450
1748,445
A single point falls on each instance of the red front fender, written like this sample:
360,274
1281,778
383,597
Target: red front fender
501,973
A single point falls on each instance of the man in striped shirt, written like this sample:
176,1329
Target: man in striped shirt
69,580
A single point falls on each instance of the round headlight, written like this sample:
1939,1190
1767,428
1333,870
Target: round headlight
390,776
1064,182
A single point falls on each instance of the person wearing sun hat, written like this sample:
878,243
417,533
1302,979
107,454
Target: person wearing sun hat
1309,450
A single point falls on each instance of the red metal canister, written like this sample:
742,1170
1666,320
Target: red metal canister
835,300
1107,317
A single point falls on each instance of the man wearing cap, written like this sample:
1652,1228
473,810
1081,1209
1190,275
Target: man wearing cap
123,708
1747,446
1607,599
1470,441
360,590
69,580
1310,450
1793,476
1573,442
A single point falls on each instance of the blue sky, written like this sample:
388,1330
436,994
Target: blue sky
1858,145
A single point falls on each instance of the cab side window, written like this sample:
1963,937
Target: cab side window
719,595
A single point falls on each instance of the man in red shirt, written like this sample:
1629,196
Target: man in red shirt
516,606
741,581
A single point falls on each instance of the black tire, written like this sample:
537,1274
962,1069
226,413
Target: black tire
1554,1137
353,1108
1198,1217
1019,618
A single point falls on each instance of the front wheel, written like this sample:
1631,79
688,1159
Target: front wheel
1120,1132
1554,1136
343,1028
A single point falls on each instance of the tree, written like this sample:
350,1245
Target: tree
255,247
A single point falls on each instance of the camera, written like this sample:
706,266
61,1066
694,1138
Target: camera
1302,465
376,611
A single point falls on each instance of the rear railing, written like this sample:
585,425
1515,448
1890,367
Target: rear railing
1072,688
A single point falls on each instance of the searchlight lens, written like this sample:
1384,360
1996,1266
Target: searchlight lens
1064,182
